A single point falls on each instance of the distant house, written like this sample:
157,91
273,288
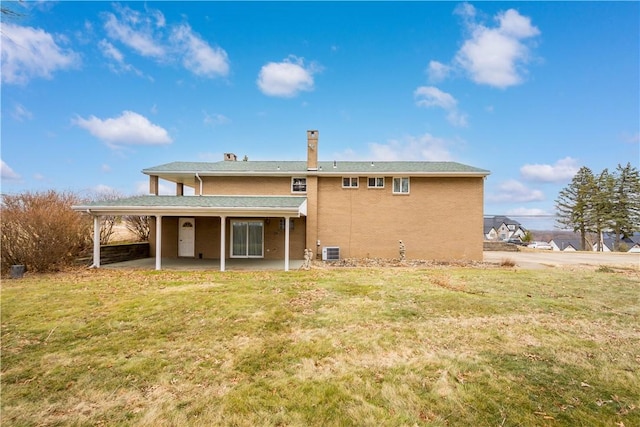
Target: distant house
565,245
502,228
629,244
275,210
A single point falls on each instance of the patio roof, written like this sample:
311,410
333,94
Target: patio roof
256,206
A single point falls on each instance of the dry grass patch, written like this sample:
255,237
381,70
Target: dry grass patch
380,346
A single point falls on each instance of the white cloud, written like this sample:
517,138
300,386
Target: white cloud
29,52
20,113
466,10
562,170
431,96
287,78
159,17
527,212
7,173
495,56
438,71
105,168
110,51
457,119
147,35
214,120
631,138
134,30
514,191
425,147
128,128
200,58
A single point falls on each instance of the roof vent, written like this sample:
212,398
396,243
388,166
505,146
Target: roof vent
230,157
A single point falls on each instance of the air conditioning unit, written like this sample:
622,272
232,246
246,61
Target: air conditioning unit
331,253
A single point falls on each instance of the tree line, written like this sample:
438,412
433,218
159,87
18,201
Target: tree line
608,202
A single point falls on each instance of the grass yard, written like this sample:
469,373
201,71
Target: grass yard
335,347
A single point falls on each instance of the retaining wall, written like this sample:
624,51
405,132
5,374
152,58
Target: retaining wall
110,254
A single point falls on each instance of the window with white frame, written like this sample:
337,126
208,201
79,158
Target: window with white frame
298,185
247,239
350,182
376,182
401,185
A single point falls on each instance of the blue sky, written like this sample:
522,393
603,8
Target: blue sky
94,92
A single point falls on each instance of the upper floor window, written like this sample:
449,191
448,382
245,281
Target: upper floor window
298,185
376,182
401,185
350,182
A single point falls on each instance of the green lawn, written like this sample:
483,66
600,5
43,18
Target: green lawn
327,347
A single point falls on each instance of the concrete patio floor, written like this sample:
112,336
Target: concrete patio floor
232,264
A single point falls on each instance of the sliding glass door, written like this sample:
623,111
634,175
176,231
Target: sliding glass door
247,239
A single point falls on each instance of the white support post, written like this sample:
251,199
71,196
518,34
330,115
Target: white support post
286,243
223,233
96,241
158,242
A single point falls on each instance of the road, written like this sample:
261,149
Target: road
536,259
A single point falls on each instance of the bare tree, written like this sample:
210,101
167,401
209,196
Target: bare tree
108,222
138,225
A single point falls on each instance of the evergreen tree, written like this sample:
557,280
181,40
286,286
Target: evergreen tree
625,215
574,205
602,205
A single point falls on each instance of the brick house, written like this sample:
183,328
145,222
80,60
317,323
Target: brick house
338,209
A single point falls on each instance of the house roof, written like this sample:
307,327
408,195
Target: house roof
199,205
324,168
564,243
496,221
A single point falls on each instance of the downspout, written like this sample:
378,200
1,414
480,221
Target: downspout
199,179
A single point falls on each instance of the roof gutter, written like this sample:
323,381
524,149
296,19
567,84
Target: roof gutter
196,211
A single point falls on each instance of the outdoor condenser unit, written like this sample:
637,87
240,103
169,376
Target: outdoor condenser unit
331,253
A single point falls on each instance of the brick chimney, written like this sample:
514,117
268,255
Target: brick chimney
312,150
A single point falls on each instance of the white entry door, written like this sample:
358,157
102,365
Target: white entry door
186,237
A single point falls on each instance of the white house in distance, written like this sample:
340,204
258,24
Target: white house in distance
500,227
570,244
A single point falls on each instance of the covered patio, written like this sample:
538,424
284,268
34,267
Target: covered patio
254,209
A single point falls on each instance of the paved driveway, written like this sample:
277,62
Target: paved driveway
545,259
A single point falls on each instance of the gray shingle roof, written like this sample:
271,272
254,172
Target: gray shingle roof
267,202
328,168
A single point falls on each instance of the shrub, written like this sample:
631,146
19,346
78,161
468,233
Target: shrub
41,231
507,262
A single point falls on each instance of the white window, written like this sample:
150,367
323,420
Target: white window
401,185
350,182
247,237
298,185
376,182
